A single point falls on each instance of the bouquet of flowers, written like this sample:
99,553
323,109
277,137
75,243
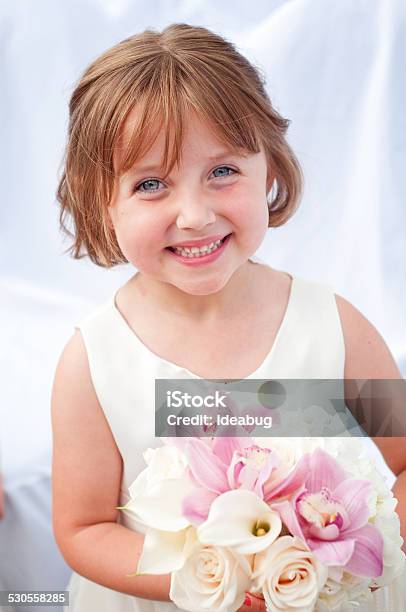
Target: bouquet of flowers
308,523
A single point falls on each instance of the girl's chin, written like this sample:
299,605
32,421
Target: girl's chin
200,288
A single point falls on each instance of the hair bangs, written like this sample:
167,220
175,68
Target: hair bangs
222,107
160,108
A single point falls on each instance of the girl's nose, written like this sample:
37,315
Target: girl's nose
193,214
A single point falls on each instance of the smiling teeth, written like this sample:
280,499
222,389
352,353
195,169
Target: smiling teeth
197,251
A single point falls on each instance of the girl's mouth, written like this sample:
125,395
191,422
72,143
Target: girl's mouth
196,255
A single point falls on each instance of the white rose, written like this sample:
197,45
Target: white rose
342,591
289,575
346,450
212,578
164,462
158,491
393,556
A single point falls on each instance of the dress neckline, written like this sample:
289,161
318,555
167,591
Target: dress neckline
122,321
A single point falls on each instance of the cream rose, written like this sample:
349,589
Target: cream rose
289,575
212,578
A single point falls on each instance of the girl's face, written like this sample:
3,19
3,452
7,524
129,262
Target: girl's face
213,194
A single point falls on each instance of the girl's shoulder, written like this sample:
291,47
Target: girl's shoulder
72,371
367,355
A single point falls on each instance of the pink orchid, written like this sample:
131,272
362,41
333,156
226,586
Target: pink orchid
233,463
331,514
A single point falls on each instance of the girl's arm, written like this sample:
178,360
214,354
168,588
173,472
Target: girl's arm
87,468
368,357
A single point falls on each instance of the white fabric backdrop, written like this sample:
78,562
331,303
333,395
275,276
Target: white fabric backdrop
336,69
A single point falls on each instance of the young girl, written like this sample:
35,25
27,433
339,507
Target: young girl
177,163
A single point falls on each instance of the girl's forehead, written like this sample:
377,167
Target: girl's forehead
199,137
194,126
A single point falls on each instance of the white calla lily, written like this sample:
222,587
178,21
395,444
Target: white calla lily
165,551
241,520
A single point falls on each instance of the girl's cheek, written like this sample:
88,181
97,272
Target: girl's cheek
138,235
249,213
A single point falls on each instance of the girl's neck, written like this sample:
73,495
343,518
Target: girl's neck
231,301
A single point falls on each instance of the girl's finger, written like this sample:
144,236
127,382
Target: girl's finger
247,606
253,603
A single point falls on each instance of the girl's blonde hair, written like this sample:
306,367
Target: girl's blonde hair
164,74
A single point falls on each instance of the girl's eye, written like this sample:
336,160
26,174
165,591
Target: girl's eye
224,168
148,183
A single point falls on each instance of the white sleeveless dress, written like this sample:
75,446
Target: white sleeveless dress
309,344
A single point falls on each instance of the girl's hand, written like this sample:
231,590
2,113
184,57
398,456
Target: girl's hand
254,602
